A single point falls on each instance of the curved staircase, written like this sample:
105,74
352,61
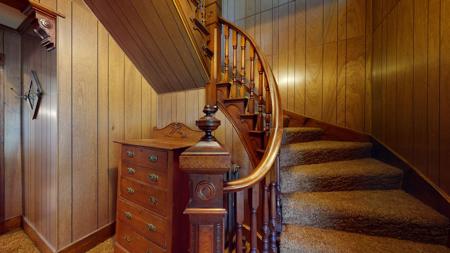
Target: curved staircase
336,198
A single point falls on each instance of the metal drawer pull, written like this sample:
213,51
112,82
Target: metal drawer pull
151,227
130,154
153,177
130,190
153,200
131,171
153,158
127,238
128,215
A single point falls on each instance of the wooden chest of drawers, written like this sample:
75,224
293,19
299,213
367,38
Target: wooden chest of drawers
152,195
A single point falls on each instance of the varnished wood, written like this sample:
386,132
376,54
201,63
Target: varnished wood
162,60
152,194
90,241
411,102
10,224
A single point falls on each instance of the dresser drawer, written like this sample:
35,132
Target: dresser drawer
144,222
133,242
150,176
153,158
145,195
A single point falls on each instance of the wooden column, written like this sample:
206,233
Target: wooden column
213,12
206,162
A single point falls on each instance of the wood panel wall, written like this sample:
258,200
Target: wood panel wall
411,84
320,52
93,96
10,138
187,107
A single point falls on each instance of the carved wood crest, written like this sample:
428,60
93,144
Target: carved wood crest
177,130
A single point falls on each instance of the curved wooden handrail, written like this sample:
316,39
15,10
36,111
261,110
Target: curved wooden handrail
276,132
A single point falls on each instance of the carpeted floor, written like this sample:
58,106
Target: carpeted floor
18,242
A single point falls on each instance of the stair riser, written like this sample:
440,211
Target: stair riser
293,157
301,183
300,137
366,225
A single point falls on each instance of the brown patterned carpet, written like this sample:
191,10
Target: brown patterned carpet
18,242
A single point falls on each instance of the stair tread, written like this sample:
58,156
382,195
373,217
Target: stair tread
389,212
322,151
301,134
365,173
296,239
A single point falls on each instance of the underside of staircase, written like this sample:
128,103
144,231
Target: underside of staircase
336,198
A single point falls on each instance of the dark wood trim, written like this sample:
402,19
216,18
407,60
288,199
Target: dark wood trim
10,224
91,240
2,142
331,132
37,238
414,182
84,244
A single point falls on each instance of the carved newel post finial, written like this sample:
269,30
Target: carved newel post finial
208,123
205,163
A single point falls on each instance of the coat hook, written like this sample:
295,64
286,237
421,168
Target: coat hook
24,97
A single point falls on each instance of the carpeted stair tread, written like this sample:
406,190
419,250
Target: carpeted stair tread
391,213
361,174
301,134
322,151
297,239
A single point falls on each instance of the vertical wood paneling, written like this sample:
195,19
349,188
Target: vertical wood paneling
93,97
411,94
323,70
103,216
433,69
84,120
64,78
11,128
444,92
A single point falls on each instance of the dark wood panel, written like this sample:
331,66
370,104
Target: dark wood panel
410,87
167,61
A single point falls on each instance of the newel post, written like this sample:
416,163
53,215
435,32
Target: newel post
206,162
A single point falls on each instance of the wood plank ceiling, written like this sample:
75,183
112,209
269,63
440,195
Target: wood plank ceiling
153,36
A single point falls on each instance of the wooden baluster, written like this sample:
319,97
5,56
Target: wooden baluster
265,227
239,221
235,87
268,108
226,32
243,46
251,101
278,190
273,217
260,118
254,204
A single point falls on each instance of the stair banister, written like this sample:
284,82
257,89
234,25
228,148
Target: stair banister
256,217
271,153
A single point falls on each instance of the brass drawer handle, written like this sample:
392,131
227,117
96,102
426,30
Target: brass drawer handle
130,190
130,154
128,215
153,158
153,177
127,238
153,200
151,227
131,171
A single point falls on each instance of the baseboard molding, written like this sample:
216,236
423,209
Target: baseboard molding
43,245
10,224
82,245
90,241
414,182
330,132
